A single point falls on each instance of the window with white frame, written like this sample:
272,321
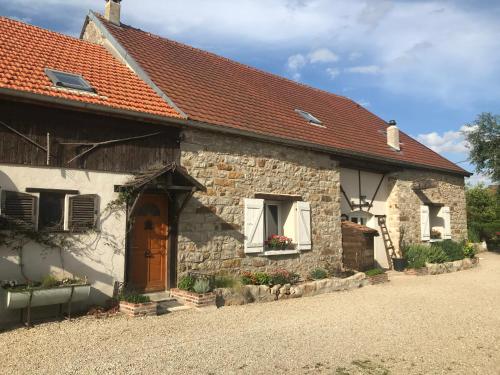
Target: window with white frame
435,223
276,226
49,210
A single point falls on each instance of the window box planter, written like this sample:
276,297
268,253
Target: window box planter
35,297
139,309
194,299
45,297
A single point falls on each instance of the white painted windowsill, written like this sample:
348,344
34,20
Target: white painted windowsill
280,252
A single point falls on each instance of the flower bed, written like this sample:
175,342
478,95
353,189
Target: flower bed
266,293
378,279
446,267
417,271
139,309
194,299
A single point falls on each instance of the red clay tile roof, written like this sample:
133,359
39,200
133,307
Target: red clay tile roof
25,51
216,90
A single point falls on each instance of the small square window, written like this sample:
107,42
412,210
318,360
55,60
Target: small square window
51,215
309,117
68,80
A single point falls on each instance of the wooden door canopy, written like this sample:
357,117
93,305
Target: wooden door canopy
358,246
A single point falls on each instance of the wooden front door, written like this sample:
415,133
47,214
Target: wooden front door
149,243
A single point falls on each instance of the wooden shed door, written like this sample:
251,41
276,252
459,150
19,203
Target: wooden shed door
149,243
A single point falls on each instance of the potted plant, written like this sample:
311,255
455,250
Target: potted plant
277,242
50,291
435,234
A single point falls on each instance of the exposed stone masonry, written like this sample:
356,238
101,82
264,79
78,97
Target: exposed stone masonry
403,205
233,168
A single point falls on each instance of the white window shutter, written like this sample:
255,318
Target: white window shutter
19,207
304,226
83,212
254,225
425,227
445,214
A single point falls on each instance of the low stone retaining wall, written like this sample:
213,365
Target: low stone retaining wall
194,299
263,293
139,309
458,265
378,279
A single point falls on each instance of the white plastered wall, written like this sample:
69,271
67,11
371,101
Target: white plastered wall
349,181
99,255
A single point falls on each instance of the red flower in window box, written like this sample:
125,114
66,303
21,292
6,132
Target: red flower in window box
278,242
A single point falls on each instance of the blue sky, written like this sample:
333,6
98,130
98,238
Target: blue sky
432,65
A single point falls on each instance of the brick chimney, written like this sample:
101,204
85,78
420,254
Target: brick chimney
112,11
393,135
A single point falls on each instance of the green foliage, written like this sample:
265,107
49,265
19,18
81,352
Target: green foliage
469,250
186,282
201,286
282,276
279,276
248,278
453,250
50,281
374,272
262,278
133,297
484,140
318,274
223,281
415,255
436,254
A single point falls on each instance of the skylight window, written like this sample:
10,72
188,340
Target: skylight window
68,80
308,117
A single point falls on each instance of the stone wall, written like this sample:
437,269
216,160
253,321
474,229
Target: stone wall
403,204
233,168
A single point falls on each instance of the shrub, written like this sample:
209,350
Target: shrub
282,276
201,286
416,255
435,254
374,272
453,250
262,278
469,250
133,297
186,282
50,281
318,274
248,278
223,281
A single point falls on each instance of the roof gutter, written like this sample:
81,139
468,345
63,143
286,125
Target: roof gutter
316,147
96,108
172,121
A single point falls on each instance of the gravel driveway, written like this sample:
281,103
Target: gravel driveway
446,324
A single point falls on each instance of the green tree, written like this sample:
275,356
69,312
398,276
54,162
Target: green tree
483,213
484,140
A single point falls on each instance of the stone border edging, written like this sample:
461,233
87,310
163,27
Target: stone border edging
263,293
458,265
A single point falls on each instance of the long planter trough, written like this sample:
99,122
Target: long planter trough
46,297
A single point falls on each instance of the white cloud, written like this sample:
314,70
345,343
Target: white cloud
440,50
299,61
333,72
363,103
322,55
478,178
365,69
449,141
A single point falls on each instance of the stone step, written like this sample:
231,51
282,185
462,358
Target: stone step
159,296
171,305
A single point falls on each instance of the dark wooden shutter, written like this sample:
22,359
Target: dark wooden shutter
83,212
19,208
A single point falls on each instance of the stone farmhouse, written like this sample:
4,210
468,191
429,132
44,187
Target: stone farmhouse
218,155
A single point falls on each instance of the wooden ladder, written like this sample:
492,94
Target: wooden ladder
390,250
